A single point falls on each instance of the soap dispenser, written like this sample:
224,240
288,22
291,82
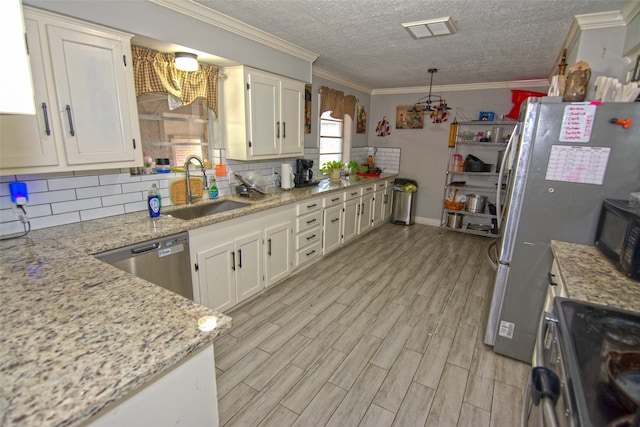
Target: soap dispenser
154,201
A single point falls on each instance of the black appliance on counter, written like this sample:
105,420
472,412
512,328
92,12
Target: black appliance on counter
304,174
583,352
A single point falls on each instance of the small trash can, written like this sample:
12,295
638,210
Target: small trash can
404,203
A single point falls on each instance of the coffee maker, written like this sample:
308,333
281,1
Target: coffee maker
304,174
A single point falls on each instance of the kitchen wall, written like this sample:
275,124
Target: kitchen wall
425,151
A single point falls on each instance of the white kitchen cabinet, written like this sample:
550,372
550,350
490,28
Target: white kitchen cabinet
382,203
263,115
278,256
308,232
228,272
351,215
332,229
366,209
85,97
236,259
29,140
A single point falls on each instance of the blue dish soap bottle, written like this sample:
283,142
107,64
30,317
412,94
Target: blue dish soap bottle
154,201
213,189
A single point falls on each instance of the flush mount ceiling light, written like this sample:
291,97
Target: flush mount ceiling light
430,28
186,61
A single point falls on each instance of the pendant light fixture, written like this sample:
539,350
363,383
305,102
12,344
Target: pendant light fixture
186,61
439,107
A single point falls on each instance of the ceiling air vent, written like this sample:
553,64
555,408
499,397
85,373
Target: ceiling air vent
430,28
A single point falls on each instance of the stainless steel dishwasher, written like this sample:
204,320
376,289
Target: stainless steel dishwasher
163,261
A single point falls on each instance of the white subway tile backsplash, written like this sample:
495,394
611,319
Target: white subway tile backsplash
136,206
53,220
122,199
138,186
118,178
103,190
52,197
86,215
67,197
75,205
75,182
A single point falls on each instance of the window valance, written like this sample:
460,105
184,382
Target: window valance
156,72
337,102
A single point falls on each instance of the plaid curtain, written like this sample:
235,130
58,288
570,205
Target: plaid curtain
156,72
337,102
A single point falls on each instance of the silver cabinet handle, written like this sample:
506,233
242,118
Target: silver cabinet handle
312,206
311,237
233,261
311,221
71,129
310,253
240,258
277,129
269,250
47,129
336,199
284,129
335,219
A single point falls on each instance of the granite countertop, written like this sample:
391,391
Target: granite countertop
590,276
77,334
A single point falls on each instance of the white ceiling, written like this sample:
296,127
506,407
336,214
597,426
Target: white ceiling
363,42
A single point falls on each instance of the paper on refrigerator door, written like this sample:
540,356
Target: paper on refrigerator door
585,165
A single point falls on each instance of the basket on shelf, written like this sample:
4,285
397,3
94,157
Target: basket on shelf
452,204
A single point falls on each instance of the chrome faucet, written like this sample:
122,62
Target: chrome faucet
187,162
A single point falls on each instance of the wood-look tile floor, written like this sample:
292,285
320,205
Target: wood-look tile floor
386,331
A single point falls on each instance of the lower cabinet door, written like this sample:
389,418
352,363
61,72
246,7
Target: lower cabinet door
216,277
332,232
248,258
387,203
350,220
366,206
277,253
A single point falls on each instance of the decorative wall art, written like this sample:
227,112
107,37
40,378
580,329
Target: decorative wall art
383,127
406,119
361,121
307,109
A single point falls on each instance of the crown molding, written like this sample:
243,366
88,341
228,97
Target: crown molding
517,84
630,10
196,10
337,79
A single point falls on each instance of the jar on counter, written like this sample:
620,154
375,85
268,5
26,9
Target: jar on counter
456,163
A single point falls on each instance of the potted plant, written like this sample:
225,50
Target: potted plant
333,169
353,168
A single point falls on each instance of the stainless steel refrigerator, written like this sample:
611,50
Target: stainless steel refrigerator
563,160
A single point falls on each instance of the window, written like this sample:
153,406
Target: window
331,138
173,134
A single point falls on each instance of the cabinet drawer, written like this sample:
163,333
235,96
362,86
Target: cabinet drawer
333,200
381,185
308,221
366,189
352,193
309,206
308,237
305,255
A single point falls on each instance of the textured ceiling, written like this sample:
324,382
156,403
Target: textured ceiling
362,41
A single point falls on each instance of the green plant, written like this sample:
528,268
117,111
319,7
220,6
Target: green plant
328,167
353,166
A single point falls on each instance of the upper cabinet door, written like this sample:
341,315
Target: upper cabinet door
93,98
29,140
292,115
264,122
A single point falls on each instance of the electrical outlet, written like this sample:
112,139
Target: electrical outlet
19,193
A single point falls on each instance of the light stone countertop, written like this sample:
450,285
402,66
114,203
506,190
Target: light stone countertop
77,334
592,277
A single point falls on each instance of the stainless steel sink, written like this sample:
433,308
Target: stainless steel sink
198,211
